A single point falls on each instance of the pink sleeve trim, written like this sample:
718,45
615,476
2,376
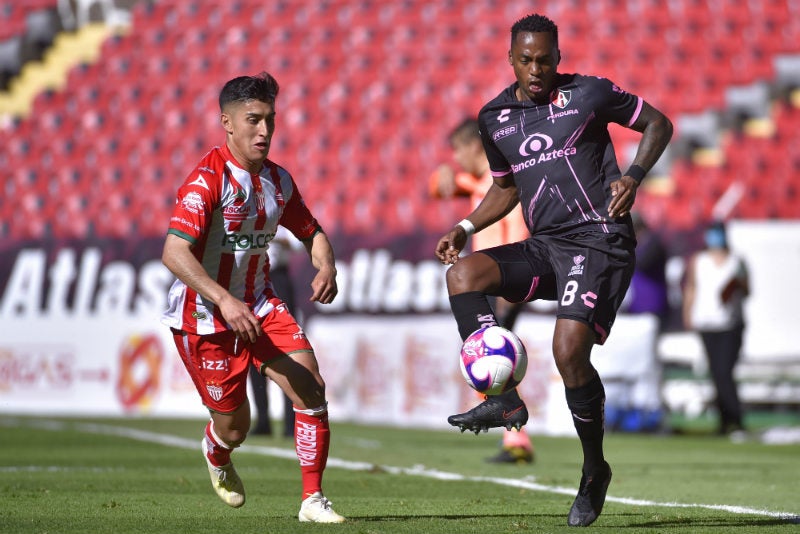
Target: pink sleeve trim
639,105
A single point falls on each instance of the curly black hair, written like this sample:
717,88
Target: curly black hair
534,23
261,87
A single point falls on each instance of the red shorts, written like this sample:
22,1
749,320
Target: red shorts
218,363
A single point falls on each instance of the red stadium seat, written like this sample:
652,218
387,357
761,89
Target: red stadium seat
369,101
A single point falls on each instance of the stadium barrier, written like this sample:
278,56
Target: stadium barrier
80,334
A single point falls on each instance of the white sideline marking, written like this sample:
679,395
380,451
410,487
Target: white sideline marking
57,469
419,470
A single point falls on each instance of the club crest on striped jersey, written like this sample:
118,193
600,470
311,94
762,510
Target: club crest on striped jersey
261,200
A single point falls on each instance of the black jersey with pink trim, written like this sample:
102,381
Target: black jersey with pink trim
560,153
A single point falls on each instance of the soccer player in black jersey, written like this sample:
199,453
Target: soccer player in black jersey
546,137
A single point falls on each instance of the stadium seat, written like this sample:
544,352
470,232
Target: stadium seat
13,17
376,108
11,59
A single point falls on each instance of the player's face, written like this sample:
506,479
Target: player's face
535,57
249,125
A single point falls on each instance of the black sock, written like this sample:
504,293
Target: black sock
472,312
586,403
511,395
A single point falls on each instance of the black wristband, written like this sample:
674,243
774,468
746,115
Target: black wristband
636,172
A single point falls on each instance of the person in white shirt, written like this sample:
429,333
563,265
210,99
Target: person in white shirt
715,288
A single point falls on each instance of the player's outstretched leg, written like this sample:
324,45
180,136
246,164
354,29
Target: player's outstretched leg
591,496
506,410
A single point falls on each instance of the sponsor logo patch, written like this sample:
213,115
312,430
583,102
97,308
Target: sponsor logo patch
236,212
578,267
535,143
504,132
200,181
192,202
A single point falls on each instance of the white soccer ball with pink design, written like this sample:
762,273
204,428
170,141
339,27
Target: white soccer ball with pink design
493,360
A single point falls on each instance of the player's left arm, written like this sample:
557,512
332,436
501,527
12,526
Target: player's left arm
297,218
656,131
323,286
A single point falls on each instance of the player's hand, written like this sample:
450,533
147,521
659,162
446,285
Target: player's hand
323,286
240,318
449,247
623,193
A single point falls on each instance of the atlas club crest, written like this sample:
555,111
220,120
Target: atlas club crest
561,98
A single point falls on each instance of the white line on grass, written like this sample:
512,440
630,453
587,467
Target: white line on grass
419,470
56,469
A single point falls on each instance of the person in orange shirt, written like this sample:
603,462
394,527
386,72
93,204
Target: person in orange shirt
473,179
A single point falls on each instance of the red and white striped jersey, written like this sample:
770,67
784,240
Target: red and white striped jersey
230,216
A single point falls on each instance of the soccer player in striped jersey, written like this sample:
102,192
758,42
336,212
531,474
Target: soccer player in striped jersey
547,141
222,309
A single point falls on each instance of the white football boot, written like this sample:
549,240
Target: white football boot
226,481
317,508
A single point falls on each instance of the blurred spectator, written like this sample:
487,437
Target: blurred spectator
715,288
473,179
648,290
280,251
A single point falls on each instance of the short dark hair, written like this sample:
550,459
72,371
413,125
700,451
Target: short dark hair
261,87
467,129
534,23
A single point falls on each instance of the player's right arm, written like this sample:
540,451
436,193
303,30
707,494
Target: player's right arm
177,256
498,202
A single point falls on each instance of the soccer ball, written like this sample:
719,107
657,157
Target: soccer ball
493,360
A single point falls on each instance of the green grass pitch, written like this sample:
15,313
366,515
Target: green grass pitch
148,475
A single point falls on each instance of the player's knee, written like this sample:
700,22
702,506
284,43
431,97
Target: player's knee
463,277
455,278
233,437
575,367
312,394
572,356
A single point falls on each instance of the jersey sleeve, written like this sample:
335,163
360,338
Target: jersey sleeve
297,217
618,105
498,164
195,202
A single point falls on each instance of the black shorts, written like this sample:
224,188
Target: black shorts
587,273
